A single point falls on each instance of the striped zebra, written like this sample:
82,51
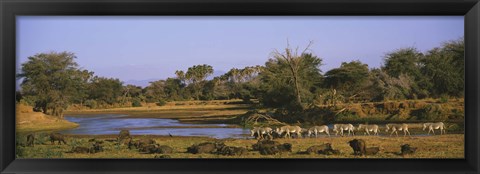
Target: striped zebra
398,127
432,126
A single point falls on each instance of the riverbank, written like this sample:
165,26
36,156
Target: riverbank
439,146
29,121
195,112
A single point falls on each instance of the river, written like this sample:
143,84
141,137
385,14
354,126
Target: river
104,124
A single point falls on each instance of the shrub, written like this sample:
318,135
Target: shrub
346,116
92,104
443,99
136,103
19,151
162,103
455,127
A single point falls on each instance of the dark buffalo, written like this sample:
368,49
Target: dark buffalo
207,147
139,144
155,148
325,149
30,140
372,150
272,149
358,146
162,156
150,148
163,149
80,149
264,142
57,137
407,149
232,151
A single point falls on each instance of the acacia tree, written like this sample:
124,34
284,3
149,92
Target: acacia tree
444,67
408,61
52,80
349,78
106,90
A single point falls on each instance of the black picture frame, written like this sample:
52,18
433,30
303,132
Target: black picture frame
11,8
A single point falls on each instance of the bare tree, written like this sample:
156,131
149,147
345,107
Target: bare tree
294,60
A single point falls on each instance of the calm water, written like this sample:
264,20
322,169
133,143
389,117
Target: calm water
113,123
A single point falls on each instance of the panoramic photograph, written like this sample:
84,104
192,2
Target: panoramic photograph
126,87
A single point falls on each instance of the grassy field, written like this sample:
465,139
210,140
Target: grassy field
439,146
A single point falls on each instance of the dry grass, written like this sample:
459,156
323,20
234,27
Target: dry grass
444,146
29,121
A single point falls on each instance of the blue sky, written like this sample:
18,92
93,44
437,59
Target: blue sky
153,47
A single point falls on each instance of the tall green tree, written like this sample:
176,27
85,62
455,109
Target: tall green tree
155,91
52,81
444,67
237,79
403,61
173,89
350,78
195,77
106,90
408,61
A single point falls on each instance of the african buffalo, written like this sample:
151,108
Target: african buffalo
325,149
207,147
30,140
358,146
57,137
407,149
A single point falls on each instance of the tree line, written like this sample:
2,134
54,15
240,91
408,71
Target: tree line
290,78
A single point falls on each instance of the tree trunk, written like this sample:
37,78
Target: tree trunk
297,90
295,80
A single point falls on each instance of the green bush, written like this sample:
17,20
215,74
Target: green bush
430,112
136,103
346,116
92,104
19,151
443,99
161,103
455,127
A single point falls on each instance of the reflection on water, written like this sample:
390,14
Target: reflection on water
112,123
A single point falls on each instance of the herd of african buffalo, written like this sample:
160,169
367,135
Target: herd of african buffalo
263,146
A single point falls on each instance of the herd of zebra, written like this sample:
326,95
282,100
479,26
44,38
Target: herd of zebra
286,131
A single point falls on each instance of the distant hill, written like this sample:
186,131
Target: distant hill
142,83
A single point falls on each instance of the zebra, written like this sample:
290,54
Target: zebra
318,129
398,127
261,131
288,130
432,126
369,128
342,127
